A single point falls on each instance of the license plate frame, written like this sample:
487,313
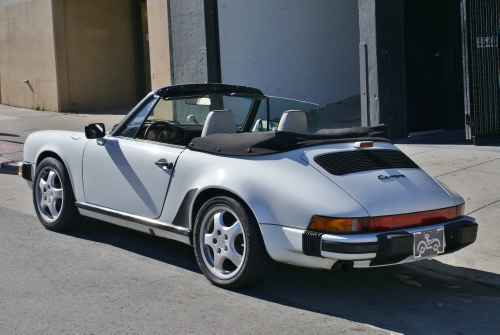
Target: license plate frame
428,242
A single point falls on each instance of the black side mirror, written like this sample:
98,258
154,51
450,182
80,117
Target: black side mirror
95,130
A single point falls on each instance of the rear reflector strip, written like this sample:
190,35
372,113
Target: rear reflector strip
412,219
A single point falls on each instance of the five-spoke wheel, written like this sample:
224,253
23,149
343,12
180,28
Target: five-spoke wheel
49,194
223,242
53,196
228,244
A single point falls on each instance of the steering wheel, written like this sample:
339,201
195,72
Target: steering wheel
169,134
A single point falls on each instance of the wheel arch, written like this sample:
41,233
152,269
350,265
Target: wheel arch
50,153
207,193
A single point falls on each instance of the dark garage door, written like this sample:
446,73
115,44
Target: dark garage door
482,66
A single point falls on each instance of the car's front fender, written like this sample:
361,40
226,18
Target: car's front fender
68,145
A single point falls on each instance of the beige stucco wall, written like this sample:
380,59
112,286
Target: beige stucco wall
77,55
159,43
100,54
27,52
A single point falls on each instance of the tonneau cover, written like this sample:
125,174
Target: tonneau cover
271,142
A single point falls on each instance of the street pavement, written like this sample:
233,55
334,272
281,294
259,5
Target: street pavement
101,278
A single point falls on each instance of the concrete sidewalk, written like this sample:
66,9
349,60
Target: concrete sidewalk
17,123
474,172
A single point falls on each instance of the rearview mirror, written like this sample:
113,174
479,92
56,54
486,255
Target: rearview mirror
95,130
199,101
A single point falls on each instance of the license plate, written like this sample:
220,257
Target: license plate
429,242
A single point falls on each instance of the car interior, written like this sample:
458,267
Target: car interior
178,121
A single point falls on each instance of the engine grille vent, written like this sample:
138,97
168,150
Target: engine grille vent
340,163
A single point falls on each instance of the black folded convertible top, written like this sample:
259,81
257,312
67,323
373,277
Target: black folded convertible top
271,142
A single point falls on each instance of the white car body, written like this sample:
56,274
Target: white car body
118,182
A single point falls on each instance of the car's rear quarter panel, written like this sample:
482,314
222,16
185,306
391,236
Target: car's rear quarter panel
280,189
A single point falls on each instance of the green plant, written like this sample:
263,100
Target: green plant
36,107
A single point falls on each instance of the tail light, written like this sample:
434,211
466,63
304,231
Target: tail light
349,225
338,225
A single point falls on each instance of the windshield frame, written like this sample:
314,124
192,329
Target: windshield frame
188,91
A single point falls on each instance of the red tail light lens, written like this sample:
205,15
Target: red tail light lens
412,219
349,225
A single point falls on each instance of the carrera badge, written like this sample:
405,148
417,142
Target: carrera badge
381,177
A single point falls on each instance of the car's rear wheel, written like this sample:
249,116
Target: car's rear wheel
53,196
228,244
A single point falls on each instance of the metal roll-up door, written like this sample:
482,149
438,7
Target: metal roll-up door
481,66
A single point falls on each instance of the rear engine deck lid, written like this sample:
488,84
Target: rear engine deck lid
382,178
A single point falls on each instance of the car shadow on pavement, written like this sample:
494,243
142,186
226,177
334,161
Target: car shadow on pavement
154,247
401,298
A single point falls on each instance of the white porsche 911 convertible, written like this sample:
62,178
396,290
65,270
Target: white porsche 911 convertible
245,178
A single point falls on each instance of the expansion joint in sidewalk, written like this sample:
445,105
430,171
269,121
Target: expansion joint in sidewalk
491,203
468,167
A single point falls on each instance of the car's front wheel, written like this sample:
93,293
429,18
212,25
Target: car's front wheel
228,244
53,196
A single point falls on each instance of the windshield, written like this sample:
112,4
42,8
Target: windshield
194,111
251,114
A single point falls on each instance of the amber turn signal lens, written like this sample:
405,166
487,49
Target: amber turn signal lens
340,225
20,169
461,209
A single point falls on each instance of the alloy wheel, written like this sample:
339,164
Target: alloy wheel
49,194
222,242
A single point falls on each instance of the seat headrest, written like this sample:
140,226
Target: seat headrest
293,121
219,122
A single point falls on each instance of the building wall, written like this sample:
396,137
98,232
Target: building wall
306,50
27,52
100,54
189,51
159,43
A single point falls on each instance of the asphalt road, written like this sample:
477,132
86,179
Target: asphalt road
102,278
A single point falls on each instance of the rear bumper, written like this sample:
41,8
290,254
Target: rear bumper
364,249
386,247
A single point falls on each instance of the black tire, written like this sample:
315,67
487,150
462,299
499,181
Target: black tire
55,201
254,262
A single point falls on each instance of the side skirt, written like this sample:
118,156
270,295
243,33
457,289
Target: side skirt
145,225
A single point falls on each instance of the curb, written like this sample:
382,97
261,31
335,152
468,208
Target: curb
8,166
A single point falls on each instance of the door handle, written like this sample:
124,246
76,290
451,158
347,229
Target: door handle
168,165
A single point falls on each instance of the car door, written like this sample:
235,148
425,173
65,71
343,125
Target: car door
122,175
128,174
